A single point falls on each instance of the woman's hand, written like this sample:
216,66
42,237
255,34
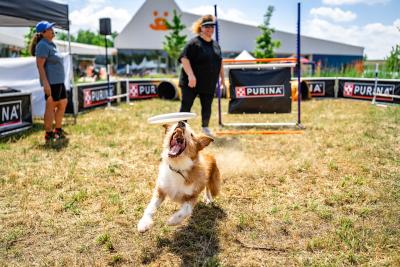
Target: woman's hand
192,81
224,85
47,89
188,69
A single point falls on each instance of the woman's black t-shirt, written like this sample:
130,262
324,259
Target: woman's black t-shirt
205,59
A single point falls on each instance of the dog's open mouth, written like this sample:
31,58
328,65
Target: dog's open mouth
177,145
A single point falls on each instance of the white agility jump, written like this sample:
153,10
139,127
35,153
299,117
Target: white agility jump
111,98
248,95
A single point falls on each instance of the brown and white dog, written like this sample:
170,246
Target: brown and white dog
185,171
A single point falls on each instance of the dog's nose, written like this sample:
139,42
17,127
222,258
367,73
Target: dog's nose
178,132
181,124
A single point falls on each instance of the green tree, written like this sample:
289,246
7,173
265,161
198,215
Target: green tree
63,36
265,45
174,41
27,39
89,37
392,62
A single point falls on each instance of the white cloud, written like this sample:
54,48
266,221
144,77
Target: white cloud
353,2
377,38
231,14
88,17
335,14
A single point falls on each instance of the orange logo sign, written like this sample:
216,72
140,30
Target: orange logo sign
159,22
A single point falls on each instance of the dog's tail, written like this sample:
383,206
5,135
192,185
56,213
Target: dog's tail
214,183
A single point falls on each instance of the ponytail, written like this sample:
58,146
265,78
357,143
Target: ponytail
34,41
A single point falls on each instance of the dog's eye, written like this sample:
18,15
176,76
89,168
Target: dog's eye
191,135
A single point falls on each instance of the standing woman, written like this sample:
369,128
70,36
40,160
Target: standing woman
51,73
202,66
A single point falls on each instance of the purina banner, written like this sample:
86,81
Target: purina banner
142,90
364,89
145,89
95,95
15,112
321,87
260,91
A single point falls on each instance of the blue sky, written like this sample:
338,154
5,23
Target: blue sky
369,23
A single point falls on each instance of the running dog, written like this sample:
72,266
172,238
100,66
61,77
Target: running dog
185,171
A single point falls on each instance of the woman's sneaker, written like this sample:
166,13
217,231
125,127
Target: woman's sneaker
49,137
59,133
207,131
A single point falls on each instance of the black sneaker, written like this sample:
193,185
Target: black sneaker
60,133
49,137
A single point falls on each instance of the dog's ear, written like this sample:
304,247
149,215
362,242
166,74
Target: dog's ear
166,127
203,141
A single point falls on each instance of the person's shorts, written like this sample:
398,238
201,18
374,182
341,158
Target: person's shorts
58,92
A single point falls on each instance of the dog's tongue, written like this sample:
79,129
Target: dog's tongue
175,148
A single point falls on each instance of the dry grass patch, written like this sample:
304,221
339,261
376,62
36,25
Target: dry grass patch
328,197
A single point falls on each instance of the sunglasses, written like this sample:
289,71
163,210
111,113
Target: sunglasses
209,26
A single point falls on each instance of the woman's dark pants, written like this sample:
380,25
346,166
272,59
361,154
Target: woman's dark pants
188,97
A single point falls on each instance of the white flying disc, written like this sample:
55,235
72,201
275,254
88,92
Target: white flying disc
171,117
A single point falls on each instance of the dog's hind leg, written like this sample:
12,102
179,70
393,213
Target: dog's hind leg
147,220
185,211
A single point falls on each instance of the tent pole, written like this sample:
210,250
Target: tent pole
108,74
298,67
218,84
74,89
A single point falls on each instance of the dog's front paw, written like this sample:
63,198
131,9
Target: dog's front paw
175,219
208,200
144,224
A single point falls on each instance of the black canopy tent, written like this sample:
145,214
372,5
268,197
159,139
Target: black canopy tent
23,13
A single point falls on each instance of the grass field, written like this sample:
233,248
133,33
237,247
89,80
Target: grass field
328,197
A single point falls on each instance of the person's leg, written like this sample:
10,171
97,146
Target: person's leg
206,103
59,115
48,120
49,115
188,97
60,95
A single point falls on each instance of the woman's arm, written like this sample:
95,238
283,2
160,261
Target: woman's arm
222,74
40,61
189,71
